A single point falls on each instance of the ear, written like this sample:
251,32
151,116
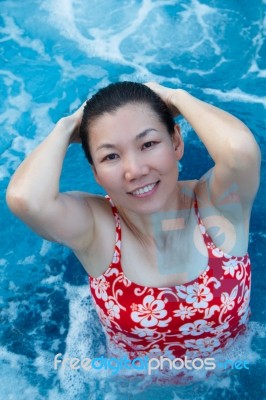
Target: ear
178,142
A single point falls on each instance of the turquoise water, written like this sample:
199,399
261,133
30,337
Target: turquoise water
56,53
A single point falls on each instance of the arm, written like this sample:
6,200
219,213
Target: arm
229,142
33,192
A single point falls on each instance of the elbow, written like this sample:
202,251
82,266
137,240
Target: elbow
244,153
18,203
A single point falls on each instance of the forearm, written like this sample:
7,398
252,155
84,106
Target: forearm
36,181
222,133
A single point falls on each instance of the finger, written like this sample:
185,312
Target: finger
80,110
151,85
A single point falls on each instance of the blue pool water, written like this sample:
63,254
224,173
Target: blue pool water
55,53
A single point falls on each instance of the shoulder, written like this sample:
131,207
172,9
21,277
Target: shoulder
188,191
83,219
96,203
96,255
227,224
101,209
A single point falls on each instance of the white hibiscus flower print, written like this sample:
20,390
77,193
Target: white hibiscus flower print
104,318
196,294
230,267
244,318
228,301
217,252
116,257
203,345
221,329
245,303
184,312
143,332
150,313
112,309
195,329
100,286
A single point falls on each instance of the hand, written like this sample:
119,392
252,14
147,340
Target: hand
73,122
166,94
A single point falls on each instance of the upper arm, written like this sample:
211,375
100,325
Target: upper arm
232,187
69,219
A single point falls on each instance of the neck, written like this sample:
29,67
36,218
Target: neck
150,228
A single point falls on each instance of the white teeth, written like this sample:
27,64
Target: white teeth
145,189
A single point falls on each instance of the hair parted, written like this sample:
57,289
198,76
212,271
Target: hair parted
116,95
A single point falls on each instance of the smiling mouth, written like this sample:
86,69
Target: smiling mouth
145,189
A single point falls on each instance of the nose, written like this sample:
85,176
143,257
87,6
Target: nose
135,168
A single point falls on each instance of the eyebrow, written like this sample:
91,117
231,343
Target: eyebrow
139,136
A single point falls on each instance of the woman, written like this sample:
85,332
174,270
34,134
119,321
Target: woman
171,288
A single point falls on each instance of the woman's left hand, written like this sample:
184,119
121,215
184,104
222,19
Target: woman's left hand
166,94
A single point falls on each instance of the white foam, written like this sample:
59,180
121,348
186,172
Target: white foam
74,105
11,31
42,120
46,247
46,315
13,287
43,363
15,386
15,106
12,162
224,383
11,312
78,342
27,260
10,116
52,279
70,72
105,43
257,44
15,361
23,144
200,11
236,95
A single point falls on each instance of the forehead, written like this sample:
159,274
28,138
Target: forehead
129,118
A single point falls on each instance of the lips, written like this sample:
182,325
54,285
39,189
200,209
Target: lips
144,189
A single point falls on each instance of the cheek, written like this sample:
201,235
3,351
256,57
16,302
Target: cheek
107,177
167,161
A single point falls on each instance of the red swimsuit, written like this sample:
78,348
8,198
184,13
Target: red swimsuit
194,319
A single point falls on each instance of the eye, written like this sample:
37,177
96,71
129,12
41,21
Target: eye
147,145
150,144
110,157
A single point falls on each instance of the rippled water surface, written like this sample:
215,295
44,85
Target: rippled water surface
56,53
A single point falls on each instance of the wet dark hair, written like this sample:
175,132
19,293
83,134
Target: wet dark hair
116,95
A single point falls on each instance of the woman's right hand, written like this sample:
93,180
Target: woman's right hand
73,122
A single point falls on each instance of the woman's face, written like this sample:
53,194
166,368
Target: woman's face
135,159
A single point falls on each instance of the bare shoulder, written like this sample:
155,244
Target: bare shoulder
100,207
229,217
96,254
188,190
96,208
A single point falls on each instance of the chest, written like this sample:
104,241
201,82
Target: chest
179,255
168,260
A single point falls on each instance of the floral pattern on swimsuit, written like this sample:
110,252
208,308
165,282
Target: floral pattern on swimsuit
193,319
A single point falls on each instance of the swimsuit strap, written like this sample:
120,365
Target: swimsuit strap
117,251
207,239
204,233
